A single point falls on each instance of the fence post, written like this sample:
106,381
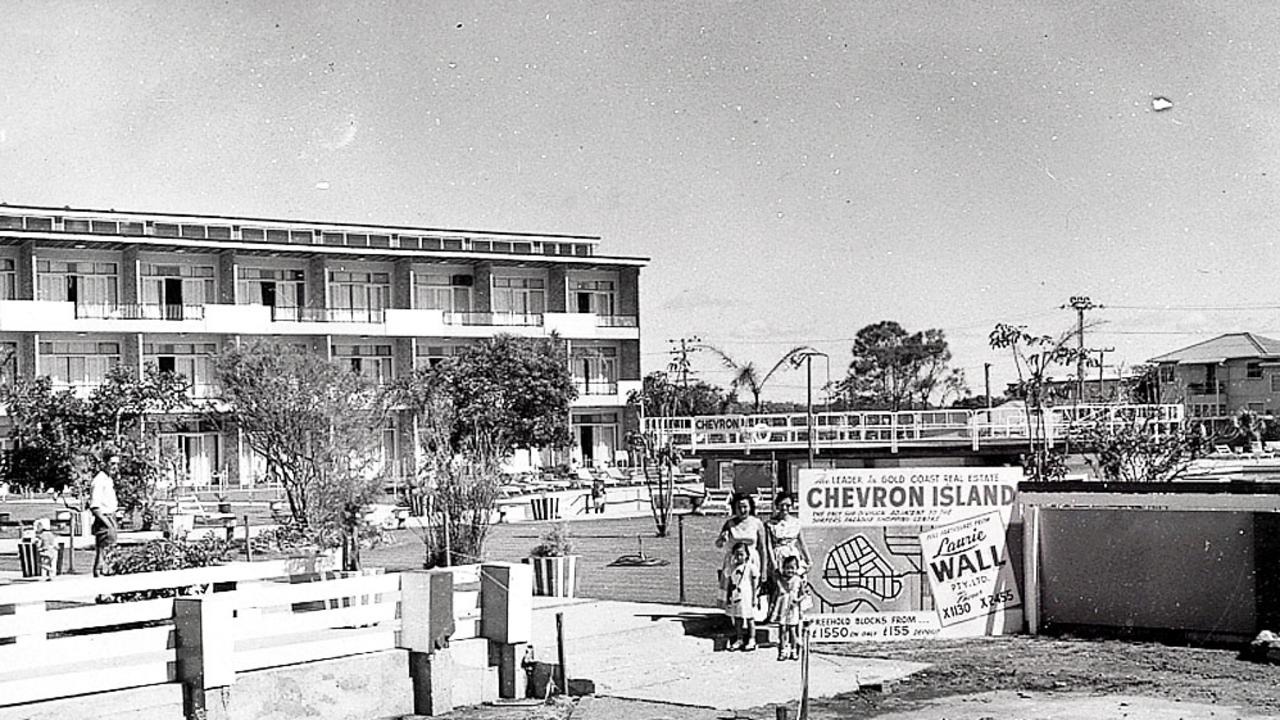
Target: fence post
206,643
506,621
426,609
1031,567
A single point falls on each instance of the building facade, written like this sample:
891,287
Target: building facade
84,290
1218,378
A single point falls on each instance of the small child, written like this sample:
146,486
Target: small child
791,601
740,582
46,548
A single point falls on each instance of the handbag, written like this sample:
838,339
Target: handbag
760,612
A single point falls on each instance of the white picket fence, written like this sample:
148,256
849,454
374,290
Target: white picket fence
57,641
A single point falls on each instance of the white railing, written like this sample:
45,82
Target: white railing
968,428
56,640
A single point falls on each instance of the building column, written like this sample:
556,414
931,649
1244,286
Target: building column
129,270
402,284
131,352
229,451
28,355
482,289
557,289
629,291
26,270
629,360
227,277
317,282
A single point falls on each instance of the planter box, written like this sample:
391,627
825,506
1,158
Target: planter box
555,576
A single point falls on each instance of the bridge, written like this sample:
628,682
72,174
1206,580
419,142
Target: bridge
893,431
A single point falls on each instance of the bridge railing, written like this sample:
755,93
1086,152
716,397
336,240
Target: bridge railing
895,429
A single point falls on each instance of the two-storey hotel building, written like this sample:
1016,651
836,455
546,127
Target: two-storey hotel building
83,290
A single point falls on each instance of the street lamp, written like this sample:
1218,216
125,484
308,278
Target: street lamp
808,355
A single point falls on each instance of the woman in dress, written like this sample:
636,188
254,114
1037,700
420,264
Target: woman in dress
743,527
783,536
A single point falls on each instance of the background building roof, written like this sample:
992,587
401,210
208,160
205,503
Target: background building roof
1224,347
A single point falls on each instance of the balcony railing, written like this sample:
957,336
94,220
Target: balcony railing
622,321
1205,388
595,387
140,312
493,318
337,315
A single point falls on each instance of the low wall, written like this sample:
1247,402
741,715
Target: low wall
1186,564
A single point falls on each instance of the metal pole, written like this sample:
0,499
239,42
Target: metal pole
809,404
986,381
680,543
564,671
248,546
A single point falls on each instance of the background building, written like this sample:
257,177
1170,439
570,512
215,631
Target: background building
1217,378
83,290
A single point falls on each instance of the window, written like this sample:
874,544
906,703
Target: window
440,291
359,290
1167,373
1275,382
433,355
193,361
83,283
1253,371
1256,408
595,370
270,287
594,296
8,279
194,457
78,363
519,295
177,284
371,361
8,362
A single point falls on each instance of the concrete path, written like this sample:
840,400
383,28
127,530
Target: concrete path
639,651
1064,706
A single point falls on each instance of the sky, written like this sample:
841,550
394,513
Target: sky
794,170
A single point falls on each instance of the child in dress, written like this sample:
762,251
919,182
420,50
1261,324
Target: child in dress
740,581
791,600
46,549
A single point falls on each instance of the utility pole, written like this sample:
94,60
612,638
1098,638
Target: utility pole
1102,387
986,381
1080,303
679,364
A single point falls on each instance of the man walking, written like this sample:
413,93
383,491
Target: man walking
103,505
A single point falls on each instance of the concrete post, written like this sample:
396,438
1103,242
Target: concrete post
557,290
402,284
317,283
426,610
206,643
227,277
26,269
482,288
130,269
506,620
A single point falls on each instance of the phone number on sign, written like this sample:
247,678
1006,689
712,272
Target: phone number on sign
865,627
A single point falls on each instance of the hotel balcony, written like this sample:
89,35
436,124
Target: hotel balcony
1207,390
500,319
617,321
328,315
601,393
51,316
140,312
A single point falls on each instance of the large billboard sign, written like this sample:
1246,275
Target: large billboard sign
910,553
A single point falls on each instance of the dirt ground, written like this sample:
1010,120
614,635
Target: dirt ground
1032,668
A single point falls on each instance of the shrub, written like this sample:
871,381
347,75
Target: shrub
160,555
555,542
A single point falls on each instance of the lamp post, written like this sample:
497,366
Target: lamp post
811,434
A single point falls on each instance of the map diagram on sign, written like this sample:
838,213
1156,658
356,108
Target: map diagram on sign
856,565
872,572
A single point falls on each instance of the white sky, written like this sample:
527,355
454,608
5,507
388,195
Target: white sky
795,170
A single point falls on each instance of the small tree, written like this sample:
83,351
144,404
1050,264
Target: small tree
659,461
1138,453
472,412
58,436
318,428
1033,356
659,396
